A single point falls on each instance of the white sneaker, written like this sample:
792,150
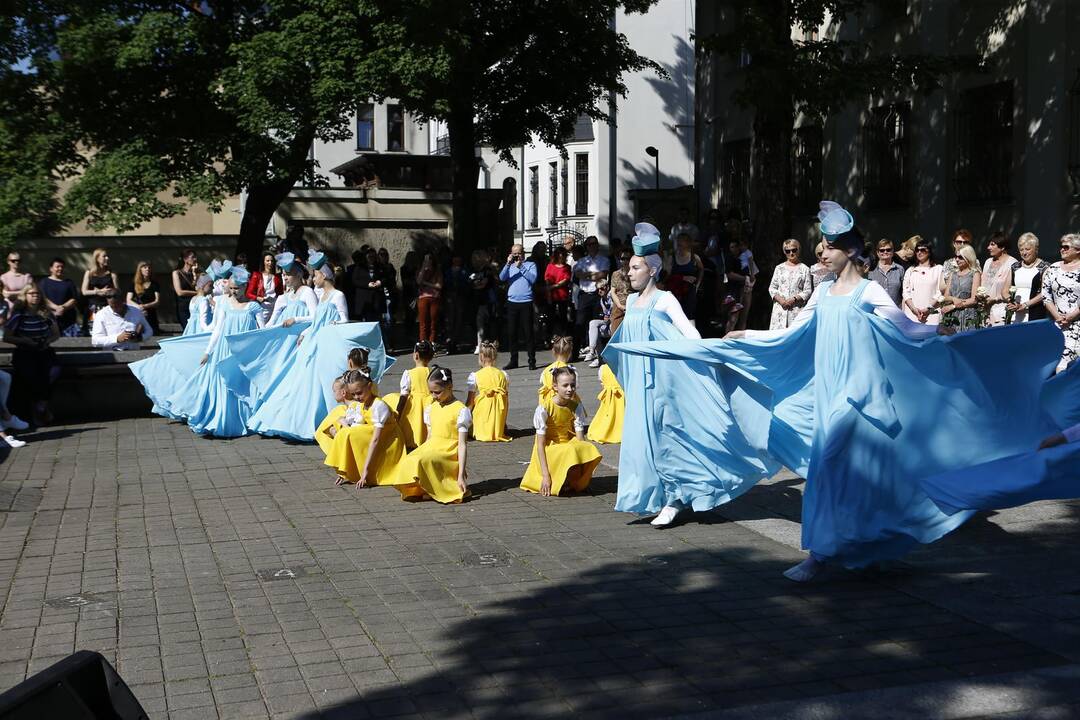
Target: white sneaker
476,351
14,442
595,363
15,423
665,517
587,354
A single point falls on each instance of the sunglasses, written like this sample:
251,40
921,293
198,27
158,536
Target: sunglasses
790,251
885,250
1066,247
14,260
960,257
925,250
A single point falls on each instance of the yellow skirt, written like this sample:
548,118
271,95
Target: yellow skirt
411,418
606,426
489,418
571,464
321,436
431,470
349,453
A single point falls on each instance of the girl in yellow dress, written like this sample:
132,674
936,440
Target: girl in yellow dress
561,348
561,457
414,396
489,389
606,426
367,448
436,469
356,359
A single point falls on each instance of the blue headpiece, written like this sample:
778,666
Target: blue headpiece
219,269
240,275
315,259
286,261
646,239
834,219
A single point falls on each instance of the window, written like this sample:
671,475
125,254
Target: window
885,149
581,184
365,127
984,140
735,176
563,174
534,197
395,128
806,169
553,191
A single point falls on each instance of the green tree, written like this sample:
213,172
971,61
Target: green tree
499,72
172,103
816,77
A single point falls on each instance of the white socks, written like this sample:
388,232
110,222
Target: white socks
804,571
667,515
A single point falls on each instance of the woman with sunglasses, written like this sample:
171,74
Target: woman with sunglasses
14,280
921,283
1061,296
790,287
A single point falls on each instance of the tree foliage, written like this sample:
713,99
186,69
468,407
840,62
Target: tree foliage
162,104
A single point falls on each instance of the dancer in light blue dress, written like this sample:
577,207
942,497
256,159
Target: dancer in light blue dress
207,404
301,396
261,356
681,448
159,378
864,403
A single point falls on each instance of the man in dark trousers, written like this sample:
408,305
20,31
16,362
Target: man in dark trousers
519,274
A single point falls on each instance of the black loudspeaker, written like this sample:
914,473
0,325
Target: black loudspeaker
83,686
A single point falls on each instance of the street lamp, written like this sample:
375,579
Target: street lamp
655,154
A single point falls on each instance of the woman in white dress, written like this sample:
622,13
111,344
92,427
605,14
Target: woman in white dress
997,276
921,283
790,287
1027,278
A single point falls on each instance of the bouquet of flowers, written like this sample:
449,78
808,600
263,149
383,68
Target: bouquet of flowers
982,307
1012,300
948,319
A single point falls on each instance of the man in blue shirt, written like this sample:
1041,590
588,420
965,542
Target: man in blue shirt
519,274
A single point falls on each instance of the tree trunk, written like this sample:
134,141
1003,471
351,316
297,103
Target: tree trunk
465,170
261,204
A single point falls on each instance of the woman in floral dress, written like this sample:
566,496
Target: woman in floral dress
1061,296
790,287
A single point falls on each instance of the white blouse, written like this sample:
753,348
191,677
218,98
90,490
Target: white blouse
464,419
669,305
406,384
540,418
354,414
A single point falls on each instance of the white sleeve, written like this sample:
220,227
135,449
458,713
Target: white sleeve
258,315
464,420
668,304
427,417
884,307
218,328
307,296
1072,434
579,418
540,418
380,413
279,306
470,384
342,308
600,373
98,336
352,416
406,384
801,319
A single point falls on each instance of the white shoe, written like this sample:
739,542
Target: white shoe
595,363
476,351
14,442
15,423
665,516
587,354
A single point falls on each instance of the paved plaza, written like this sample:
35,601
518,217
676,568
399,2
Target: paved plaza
232,579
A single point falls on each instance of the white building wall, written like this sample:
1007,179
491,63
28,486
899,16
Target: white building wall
329,155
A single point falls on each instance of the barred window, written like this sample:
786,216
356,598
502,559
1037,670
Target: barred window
365,127
984,145
581,173
534,196
806,169
735,175
886,157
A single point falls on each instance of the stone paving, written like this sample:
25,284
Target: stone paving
232,579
